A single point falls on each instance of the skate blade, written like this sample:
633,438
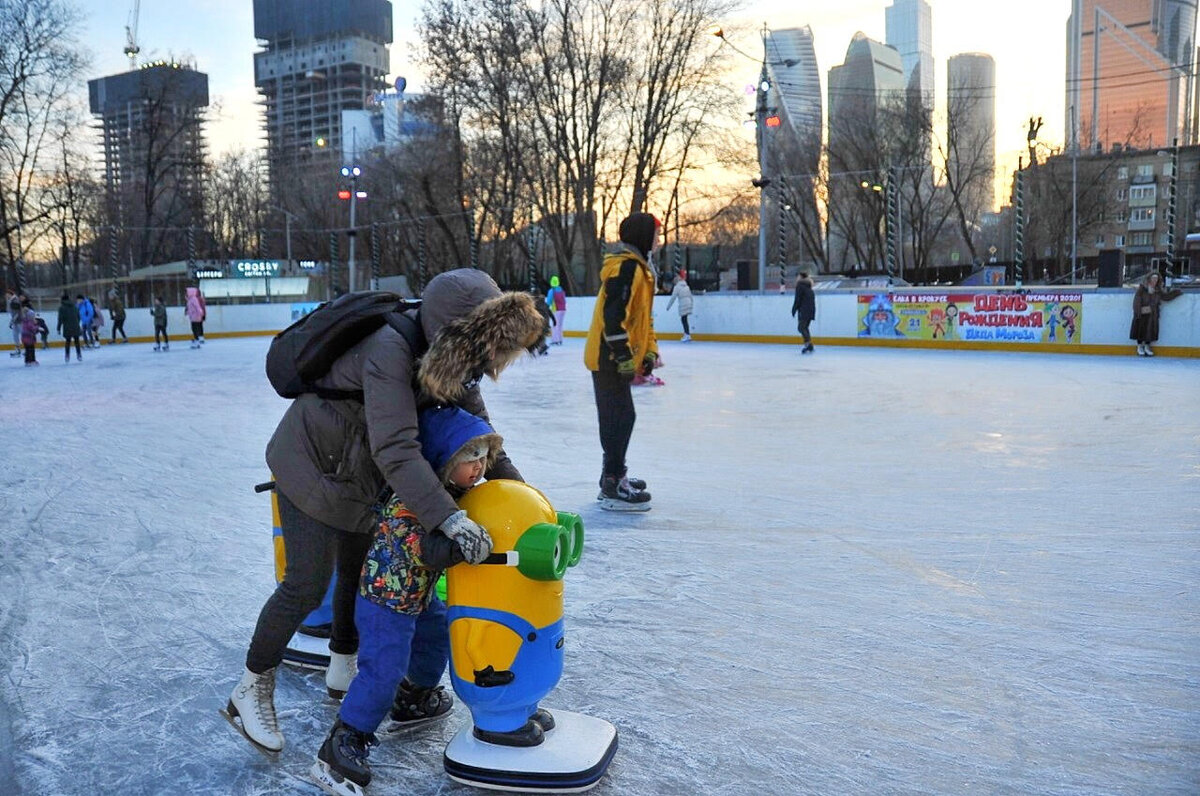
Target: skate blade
400,727
333,783
608,504
270,754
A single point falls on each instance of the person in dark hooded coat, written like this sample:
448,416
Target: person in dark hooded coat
331,460
68,326
804,309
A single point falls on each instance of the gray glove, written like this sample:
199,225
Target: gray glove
469,535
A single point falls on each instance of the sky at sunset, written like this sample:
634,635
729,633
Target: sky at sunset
1026,38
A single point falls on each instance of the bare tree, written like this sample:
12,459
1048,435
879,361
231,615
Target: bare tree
567,107
236,204
39,66
73,198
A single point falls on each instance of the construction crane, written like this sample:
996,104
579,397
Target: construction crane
131,45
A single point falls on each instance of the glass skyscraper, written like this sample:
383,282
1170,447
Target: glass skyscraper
910,33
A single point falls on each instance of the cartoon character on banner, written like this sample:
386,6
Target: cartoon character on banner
880,320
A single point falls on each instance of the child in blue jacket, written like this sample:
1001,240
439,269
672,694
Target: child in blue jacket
397,611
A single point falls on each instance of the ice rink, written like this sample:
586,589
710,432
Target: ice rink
867,571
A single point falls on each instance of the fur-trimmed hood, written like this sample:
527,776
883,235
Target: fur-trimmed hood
481,343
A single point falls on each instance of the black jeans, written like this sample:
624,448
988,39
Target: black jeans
803,329
312,549
163,331
118,326
67,339
197,329
615,412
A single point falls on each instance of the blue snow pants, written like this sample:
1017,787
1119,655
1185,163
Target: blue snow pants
391,645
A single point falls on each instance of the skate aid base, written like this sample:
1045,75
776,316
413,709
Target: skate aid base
572,759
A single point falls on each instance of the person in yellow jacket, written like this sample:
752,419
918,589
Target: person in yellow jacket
621,345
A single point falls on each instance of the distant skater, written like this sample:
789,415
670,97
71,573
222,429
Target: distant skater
556,300
116,310
196,313
683,294
68,327
159,311
1147,304
804,309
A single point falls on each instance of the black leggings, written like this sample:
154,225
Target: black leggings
67,338
615,412
312,549
119,326
197,329
803,329
683,320
163,331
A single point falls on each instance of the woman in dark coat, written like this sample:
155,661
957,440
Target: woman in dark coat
1147,303
804,309
68,325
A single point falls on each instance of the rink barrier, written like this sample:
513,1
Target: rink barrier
732,317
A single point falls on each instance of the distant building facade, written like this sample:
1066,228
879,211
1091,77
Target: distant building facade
1131,73
391,119
1123,204
152,134
971,125
909,25
794,148
870,78
318,60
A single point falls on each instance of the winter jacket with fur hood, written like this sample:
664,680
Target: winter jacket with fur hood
331,458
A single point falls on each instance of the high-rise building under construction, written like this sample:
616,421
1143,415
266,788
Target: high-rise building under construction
318,59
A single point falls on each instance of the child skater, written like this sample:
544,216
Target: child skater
397,611
159,311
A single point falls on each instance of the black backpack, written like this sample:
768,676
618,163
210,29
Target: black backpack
306,350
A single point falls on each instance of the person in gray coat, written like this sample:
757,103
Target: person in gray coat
332,460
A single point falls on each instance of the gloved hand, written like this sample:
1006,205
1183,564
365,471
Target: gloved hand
649,363
626,369
469,535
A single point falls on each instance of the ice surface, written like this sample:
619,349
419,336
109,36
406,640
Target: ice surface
866,571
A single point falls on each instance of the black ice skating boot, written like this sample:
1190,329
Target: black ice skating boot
341,768
416,704
529,734
619,494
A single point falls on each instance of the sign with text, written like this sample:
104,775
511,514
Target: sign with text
989,317
255,269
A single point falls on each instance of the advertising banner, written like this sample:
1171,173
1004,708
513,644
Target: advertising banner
963,315
255,269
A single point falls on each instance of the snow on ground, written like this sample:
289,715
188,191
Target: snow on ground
866,571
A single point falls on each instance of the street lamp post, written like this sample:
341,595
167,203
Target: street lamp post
764,117
353,173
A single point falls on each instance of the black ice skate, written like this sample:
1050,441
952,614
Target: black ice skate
416,705
636,483
341,768
619,494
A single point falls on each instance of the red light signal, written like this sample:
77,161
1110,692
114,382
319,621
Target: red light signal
773,121
343,194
